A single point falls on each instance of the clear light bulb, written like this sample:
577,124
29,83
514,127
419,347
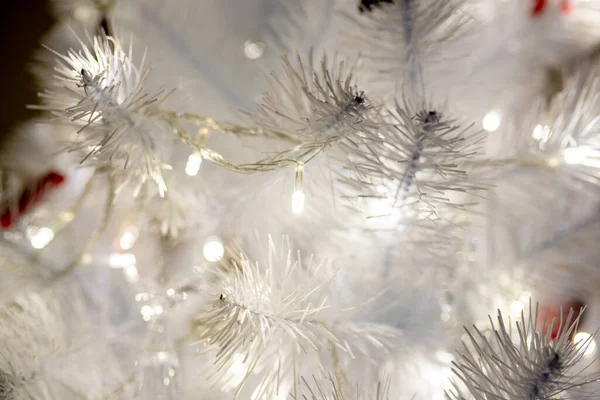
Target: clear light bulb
129,237
541,132
40,237
298,199
491,121
213,249
121,260
254,50
193,164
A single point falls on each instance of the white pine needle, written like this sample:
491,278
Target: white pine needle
400,37
417,162
331,389
526,364
565,134
31,332
100,89
314,107
265,319
18,275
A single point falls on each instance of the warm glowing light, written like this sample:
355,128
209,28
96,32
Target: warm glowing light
131,274
516,307
213,249
40,237
381,206
579,155
585,342
541,132
193,164
66,216
148,311
444,357
121,260
254,50
491,121
298,202
129,237
83,13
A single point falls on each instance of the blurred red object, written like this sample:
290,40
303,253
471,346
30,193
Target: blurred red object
30,197
550,313
566,7
538,7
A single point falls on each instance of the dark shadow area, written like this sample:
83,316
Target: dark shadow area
23,24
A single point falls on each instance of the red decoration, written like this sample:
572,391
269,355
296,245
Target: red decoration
552,312
30,197
538,7
566,7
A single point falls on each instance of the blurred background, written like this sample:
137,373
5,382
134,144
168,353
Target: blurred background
23,25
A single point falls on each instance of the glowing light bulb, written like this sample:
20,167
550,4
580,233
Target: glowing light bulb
131,274
380,207
66,216
121,260
40,237
491,121
298,202
516,307
576,155
443,356
584,342
149,311
193,164
83,13
213,249
254,50
541,132
129,237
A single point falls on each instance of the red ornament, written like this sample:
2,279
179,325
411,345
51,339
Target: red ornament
566,7
538,7
551,313
30,197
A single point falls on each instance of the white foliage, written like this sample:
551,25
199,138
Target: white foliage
18,275
399,39
175,214
414,153
31,333
266,325
101,89
331,389
266,319
313,106
564,134
417,161
540,33
527,364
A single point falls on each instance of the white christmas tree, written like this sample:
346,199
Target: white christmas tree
306,199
